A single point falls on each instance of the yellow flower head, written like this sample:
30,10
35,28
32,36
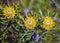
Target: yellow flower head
48,23
9,12
30,23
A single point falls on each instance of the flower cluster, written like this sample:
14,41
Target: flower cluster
29,22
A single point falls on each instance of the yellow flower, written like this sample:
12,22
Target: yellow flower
9,12
30,23
48,23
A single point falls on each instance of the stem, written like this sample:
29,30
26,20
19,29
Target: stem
56,15
40,40
41,14
48,11
8,2
56,4
23,4
24,34
30,4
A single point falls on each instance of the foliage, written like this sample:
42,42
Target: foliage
14,31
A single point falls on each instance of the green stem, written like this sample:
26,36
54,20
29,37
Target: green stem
30,4
8,2
41,14
24,34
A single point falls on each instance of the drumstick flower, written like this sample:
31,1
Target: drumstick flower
30,22
9,12
48,23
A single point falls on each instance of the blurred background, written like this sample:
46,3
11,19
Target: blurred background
14,31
